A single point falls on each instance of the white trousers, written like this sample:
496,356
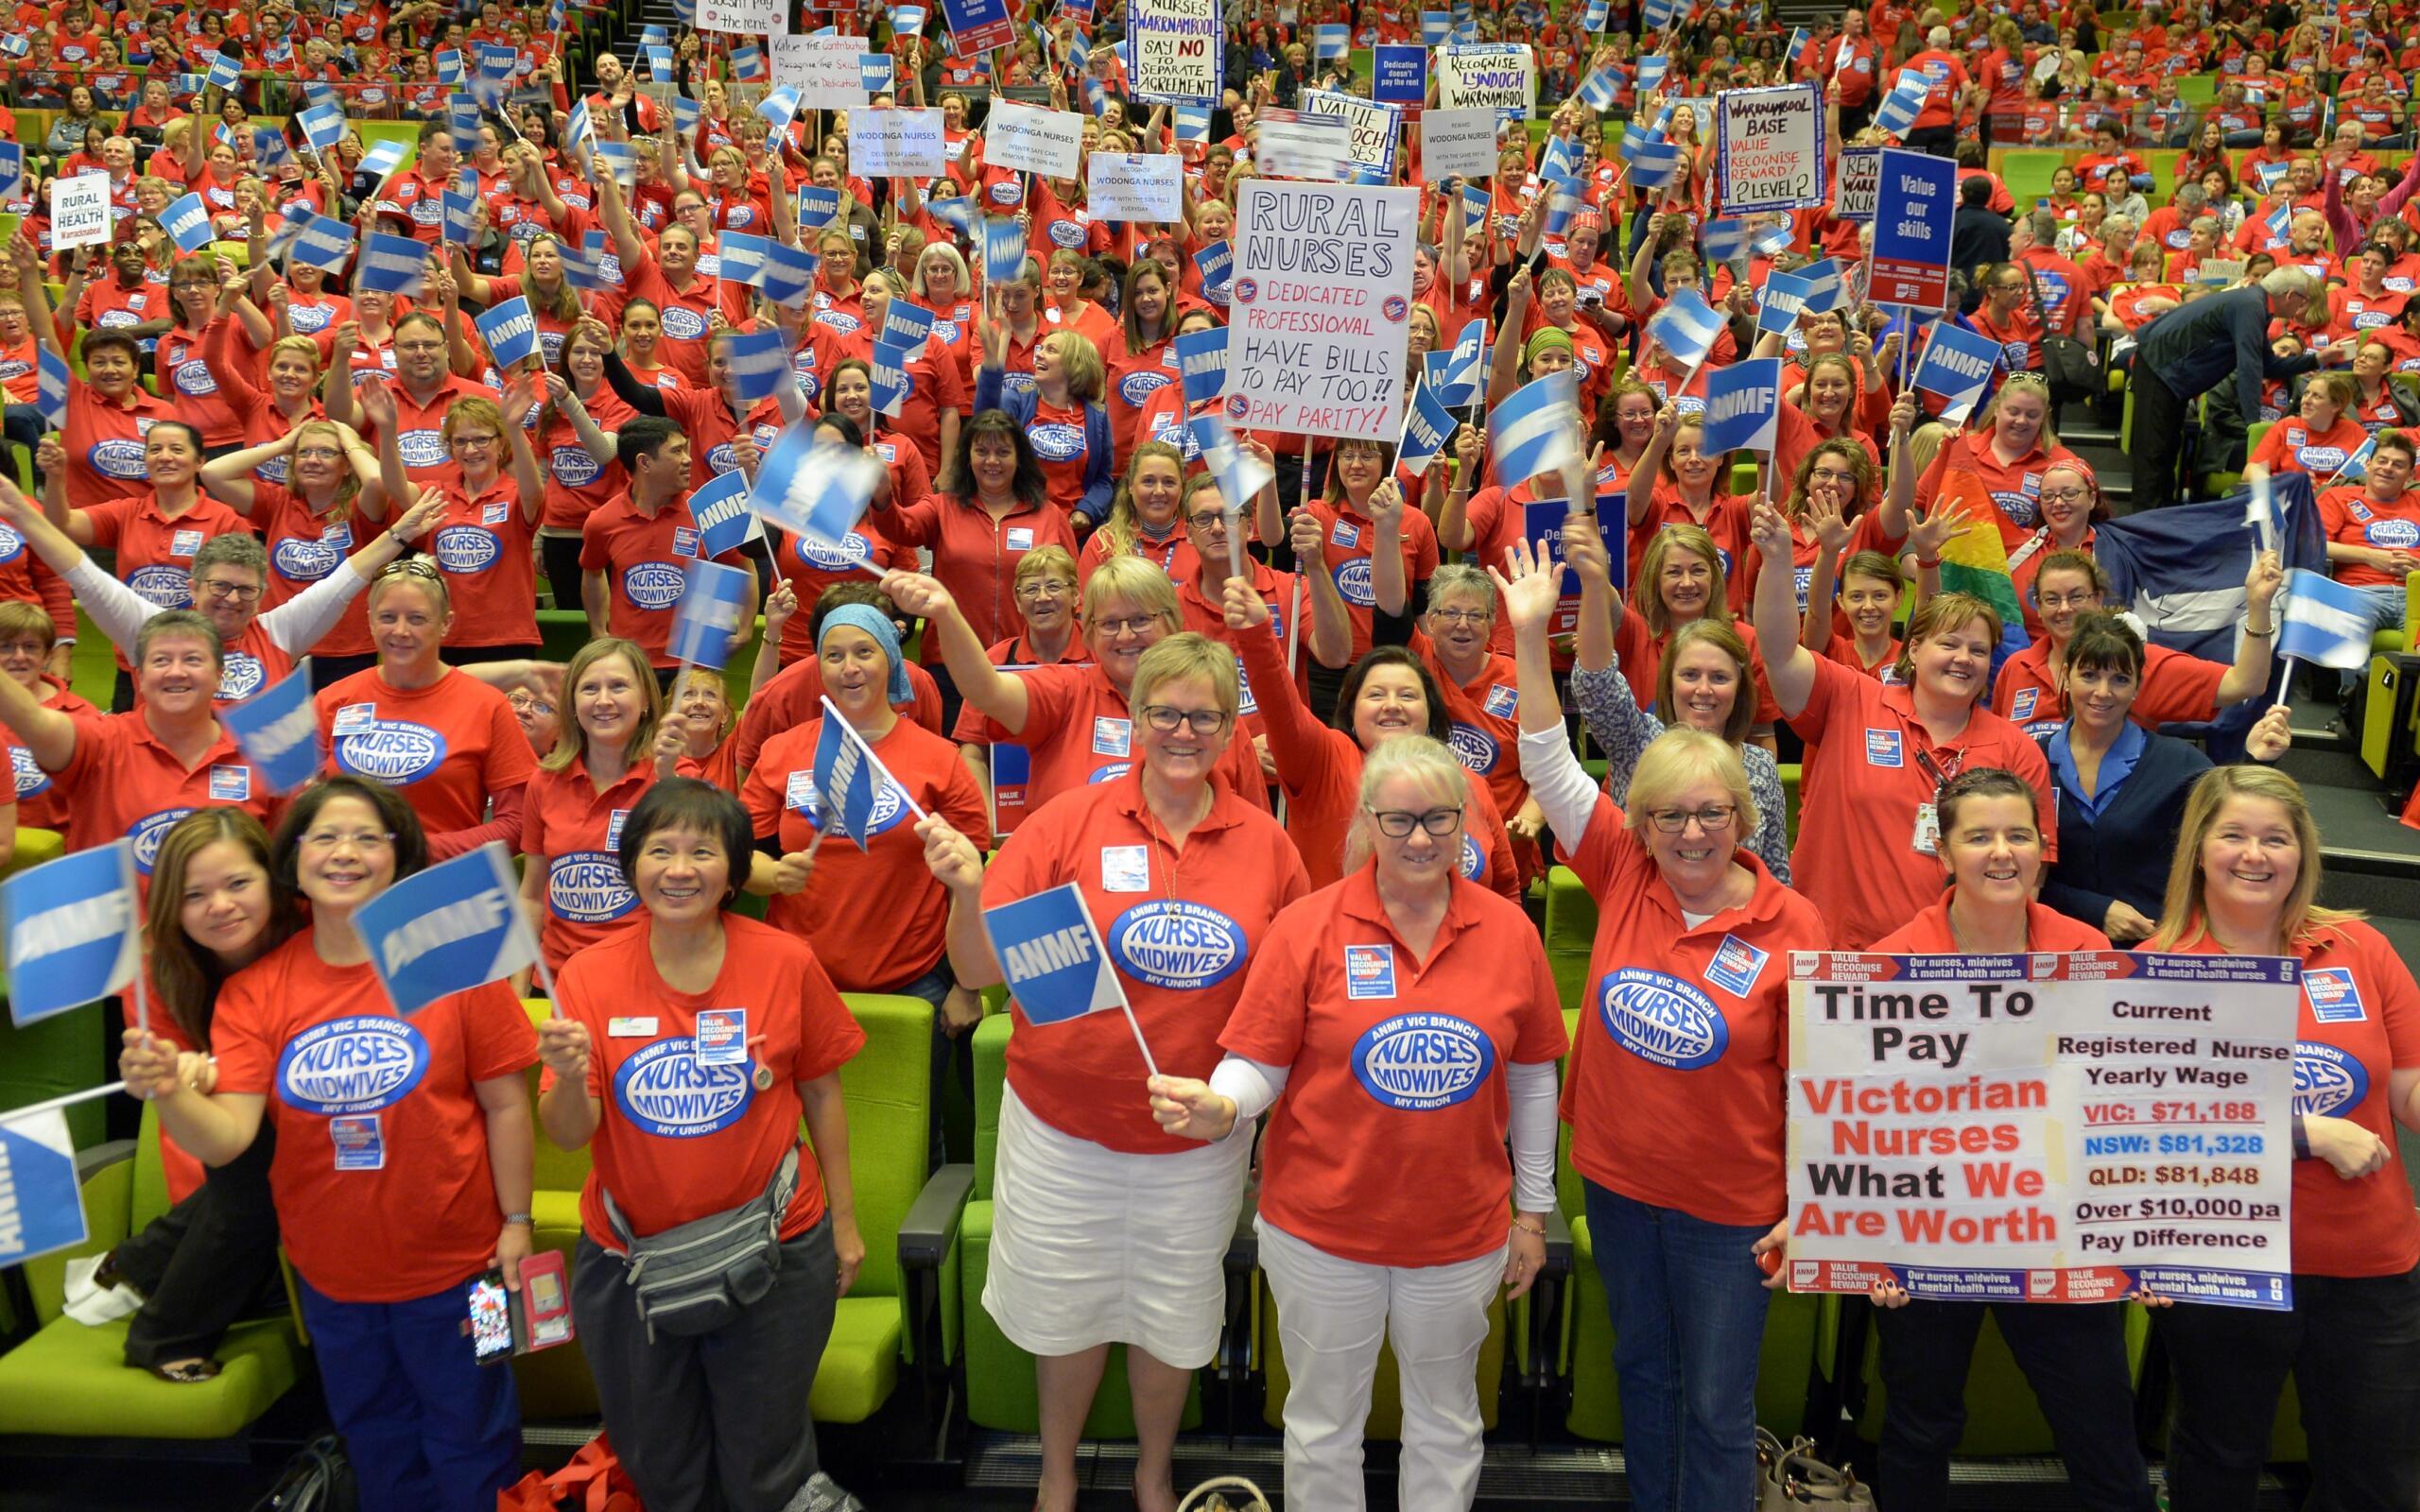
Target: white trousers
1331,1315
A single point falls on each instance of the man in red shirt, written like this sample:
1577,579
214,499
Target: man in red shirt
634,550
1936,128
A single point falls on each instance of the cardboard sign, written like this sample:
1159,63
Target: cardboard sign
1769,148
1321,298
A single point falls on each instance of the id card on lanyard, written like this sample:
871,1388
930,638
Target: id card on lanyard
1928,836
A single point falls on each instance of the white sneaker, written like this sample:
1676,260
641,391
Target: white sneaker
92,1304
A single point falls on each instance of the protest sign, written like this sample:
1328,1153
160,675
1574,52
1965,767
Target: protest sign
742,18
1322,292
1861,183
1031,140
75,931
79,211
977,26
1297,145
1373,129
41,1204
1544,523
2031,1128
1400,74
1913,209
898,143
1499,76
1135,186
823,71
1457,144
1769,148
1174,51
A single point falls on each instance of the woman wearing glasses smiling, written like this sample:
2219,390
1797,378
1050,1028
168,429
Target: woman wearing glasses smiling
1111,1230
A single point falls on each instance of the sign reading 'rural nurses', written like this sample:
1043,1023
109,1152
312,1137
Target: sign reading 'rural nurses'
1321,303
2044,1128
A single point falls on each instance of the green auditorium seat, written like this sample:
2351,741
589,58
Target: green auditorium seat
1571,934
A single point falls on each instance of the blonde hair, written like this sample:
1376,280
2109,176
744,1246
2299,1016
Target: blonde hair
1678,757
1080,361
1040,559
2182,922
1139,582
348,490
1426,763
1187,654
1123,527
571,740
2026,383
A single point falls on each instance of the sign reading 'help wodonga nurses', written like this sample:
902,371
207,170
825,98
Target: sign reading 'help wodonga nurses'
2047,1128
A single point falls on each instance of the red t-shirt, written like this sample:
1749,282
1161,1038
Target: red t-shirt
975,555
795,695
1179,926
1394,1071
2046,931
324,1044
1674,1091
304,547
482,545
575,832
419,434
680,1141
2015,489
2352,515
1079,730
644,560
1346,547
120,782
2291,446
879,949
155,553
1865,779
810,567
448,747
577,484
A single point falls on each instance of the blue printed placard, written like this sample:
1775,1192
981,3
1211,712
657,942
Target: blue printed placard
75,933
1052,955
448,929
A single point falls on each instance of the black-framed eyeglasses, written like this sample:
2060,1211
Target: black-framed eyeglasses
1711,818
1397,824
1166,718
240,593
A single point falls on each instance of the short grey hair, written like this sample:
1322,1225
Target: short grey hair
2042,226
237,548
2289,284
1464,578
1938,38
2190,197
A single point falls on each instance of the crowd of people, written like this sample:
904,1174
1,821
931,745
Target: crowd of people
1302,780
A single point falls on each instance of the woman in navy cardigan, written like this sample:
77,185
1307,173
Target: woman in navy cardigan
1058,408
2121,787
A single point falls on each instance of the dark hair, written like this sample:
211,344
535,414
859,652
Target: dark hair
836,595
1983,781
1391,656
192,433
189,977
685,802
411,841
104,337
2102,641
957,474
641,436
842,424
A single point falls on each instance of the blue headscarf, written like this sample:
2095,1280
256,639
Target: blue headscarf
875,623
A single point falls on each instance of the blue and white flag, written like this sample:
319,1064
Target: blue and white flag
1773,240
1241,475
1654,165
15,44
460,206
577,129
1003,250
789,274
381,159
224,71
323,126
1651,69
1427,425
1780,302
395,264
1536,429
1687,328
779,107
1464,362
1743,406
1723,239
1215,261
1659,13
1051,957
686,116
187,222
1435,27
906,325
511,333
277,730
956,211
892,382
1899,109
743,257
1193,125
819,489
462,122
845,785
1331,40
1201,364
52,392
37,1186
747,63
2356,466
1826,289
874,74
323,241
74,932
583,265
659,63
1956,366
759,363
1796,51
1561,206
448,929
717,603
2325,621
620,160
12,170
270,148
1600,90
1598,13
720,509
816,207
448,61
907,21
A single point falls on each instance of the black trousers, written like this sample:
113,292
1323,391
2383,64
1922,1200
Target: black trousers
2074,1357
712,1422
2353,1348
2159,438
1941,141
559,556
205,1262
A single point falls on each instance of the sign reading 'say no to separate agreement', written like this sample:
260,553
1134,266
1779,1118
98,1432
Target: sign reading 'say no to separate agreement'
1320,299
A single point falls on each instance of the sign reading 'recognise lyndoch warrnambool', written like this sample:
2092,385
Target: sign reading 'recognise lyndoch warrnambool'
1321,296
2044,1128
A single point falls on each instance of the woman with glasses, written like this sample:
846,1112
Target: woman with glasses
1456,643
2174,687
1072,719
445,740
1993,847
2005,459
489,517
2009,315
1876,752
309,492
1111,1230
394,1192
1048,635
28,644
1326,632
2071,506
1675,1089
1395,1026
418,397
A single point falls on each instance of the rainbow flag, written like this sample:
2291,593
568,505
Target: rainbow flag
1975,561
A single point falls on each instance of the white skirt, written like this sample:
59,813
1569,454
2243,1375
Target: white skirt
1092,1246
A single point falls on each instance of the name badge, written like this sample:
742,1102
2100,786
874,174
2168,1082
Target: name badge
231,785
722,1037
359,1143
496,515
685,541
613,829
1369,971
1502,702
1113,737
184,543
1020,538
353,718
1882,748
630,1028
1125,867
2334,997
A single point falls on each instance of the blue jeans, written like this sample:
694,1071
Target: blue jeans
1689,1312
2387,605
427,1428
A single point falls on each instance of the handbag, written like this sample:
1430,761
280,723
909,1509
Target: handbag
594,1481
695,1277
320,1479
1228,1493
1799,1479
2071,366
